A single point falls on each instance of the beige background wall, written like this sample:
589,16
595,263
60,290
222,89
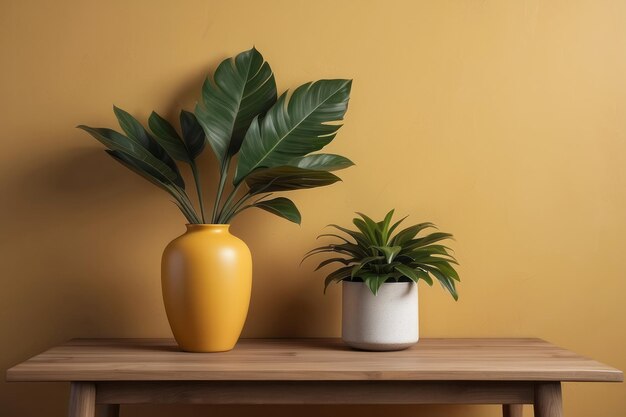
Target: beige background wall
501,121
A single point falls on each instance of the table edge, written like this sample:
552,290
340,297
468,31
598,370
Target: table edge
16,374
12,375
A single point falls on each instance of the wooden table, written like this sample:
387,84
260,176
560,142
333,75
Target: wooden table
510,372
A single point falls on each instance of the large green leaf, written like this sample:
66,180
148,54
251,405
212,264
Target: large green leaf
375,281
184,149
334,235
445,281
193,134
156,178
282,207
426,240
117,142
427,253
141,168
362,263
344,248
395,225
367,231
329,261
136,132
242,88
133,129
295,128
375,228
434,250
322,162
287,178
448,284
389,251
410,232
413,274
168,137
359,237
441,264
384,226
337,276
351,250
424,275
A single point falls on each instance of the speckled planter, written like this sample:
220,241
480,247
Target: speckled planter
387,321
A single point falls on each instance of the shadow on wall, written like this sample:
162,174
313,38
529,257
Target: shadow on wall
46,292
79,204
76,204
65,213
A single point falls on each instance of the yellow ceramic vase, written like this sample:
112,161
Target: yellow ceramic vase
206,276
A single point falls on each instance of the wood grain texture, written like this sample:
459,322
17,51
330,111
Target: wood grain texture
548,401
314,392
82,399
312,359
512,410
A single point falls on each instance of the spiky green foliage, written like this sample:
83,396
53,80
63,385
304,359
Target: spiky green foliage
241,117
373,254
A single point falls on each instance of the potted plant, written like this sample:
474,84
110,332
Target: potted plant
379,278
264,144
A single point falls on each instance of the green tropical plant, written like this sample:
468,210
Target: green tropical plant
271,138
374,255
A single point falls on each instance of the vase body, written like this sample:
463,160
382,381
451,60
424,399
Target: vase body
206,276
386,321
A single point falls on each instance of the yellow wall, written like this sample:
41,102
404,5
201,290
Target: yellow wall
501,121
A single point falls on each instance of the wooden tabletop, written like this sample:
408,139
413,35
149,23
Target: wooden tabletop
312,360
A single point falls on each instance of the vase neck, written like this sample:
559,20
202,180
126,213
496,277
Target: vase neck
211,228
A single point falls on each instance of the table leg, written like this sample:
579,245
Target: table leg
82,399
548,400
108,410
512,410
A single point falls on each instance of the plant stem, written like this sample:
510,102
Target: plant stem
229,200
190,205
196,178
236,207
228,215
185,203
220,190
236,212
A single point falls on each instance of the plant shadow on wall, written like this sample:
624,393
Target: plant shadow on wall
79,181
73,297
